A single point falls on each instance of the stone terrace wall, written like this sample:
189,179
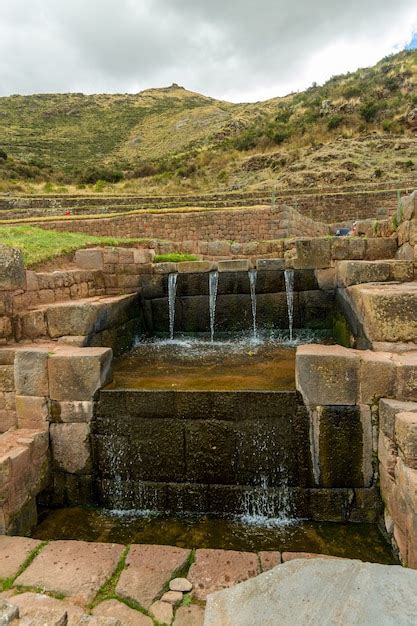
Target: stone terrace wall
407,230
241,225
323,205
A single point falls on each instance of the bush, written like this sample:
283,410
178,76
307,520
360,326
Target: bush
334,121
3,155
368,111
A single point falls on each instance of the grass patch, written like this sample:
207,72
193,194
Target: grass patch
108,590
7,583
175,257
39,245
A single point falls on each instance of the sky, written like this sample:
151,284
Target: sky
236,50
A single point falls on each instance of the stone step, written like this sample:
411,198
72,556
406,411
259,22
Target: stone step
356,272
76,318
387,312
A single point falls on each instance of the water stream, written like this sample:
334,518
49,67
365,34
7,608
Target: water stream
213,284
289,288
252,281
172,292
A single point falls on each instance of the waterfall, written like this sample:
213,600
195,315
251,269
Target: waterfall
172,292
314,436
252,281
289,288
213,283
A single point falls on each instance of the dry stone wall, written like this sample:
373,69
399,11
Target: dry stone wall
240,225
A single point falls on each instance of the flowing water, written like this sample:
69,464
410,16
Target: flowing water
196,365
213,283
356,541
252,281
172,293
289,288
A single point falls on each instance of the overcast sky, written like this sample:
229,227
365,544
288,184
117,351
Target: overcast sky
238,50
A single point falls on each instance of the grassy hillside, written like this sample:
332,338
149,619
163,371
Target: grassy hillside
356,128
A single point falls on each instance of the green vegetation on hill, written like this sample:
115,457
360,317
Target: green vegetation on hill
356,127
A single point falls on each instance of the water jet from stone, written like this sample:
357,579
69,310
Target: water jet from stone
252,281
213,284
289,289
172,293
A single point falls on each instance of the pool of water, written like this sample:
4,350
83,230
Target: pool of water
198,365
360,541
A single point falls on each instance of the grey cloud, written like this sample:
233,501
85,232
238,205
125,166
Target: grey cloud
223,48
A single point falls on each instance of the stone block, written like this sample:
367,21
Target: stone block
121,612
387,311
143,256
340,447
192,615
73,568
356,272
79,373
213,570
72,319
407,376
71,448
234,265
193,267
380,248
327,375
326,278
7,378
13,553
148,569
31,372
90,259
377,376
312,253
270,265
165,268
33,325
32,412
401,271
406,437
218,248
409,206
32,283
12,269
388,409
72,412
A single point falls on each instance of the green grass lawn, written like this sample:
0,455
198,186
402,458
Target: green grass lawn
39,245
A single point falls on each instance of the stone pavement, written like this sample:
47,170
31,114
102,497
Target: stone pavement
320,592
77,582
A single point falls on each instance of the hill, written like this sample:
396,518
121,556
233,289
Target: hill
354,129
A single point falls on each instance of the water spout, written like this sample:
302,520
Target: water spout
213,283
252,280
289,288
172,293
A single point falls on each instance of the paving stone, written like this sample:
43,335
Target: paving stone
148,569
13,553
219,569
172,597
162,612
126,615
74,568
192,615
291,556
269,560
30,602
180,584
319,592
